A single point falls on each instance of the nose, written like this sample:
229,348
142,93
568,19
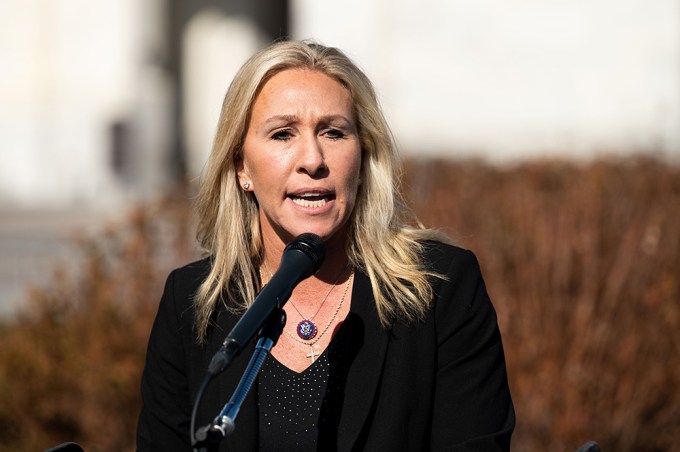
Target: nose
311,157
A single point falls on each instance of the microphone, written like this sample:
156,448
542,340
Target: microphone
301,258
590,446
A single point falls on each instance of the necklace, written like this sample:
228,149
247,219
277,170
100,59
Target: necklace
306,328
313,353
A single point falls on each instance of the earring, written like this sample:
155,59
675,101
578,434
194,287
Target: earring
246,185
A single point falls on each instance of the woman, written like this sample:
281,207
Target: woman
392,345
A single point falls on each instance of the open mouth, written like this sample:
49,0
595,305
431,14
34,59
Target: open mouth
311,199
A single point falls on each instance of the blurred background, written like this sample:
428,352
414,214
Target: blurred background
543,135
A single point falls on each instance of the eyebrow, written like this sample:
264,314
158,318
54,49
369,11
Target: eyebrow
279,118
295,119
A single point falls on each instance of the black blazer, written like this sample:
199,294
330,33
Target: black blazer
440,384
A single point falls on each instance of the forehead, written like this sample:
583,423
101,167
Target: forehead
293,88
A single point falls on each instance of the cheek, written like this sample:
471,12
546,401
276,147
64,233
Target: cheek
354,179
259,168
269,164
357,169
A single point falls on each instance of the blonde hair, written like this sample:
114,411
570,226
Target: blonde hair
384,239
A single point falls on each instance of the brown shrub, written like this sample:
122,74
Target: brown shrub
583,265
582,262
70,364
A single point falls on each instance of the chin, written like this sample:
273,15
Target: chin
328,232
338,235
325,235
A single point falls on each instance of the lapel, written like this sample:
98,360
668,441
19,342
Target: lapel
365,371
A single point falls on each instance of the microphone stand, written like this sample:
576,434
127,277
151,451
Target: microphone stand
208,437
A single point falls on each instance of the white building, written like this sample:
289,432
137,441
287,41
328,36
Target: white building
104,102
87,97
508,79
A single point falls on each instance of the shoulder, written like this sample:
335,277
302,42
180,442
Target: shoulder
442,258
181,286
459,288
190,276
194,271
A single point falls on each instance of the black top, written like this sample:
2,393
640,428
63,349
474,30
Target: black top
438,384
298,411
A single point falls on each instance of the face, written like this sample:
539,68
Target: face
302,156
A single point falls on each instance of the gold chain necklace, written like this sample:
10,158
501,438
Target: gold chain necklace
312,353
306,328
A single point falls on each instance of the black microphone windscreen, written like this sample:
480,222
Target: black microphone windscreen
310,244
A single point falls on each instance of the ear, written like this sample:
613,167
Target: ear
242,172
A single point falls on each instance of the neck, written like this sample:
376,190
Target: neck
336,259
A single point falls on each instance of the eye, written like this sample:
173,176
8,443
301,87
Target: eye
334,134
282,135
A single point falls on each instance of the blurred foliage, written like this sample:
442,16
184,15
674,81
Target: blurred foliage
70,364
582,262
583,265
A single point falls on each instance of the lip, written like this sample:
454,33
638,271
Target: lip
312,200
316,190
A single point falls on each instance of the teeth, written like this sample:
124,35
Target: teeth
307,203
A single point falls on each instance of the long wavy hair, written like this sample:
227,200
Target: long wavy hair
384,237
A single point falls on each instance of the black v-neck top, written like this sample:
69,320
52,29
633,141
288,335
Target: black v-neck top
301,411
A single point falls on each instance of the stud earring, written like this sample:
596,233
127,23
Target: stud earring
246,185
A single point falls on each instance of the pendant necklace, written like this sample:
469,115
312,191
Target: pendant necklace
306,328
313,353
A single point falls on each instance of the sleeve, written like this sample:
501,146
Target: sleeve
473,409
164,420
